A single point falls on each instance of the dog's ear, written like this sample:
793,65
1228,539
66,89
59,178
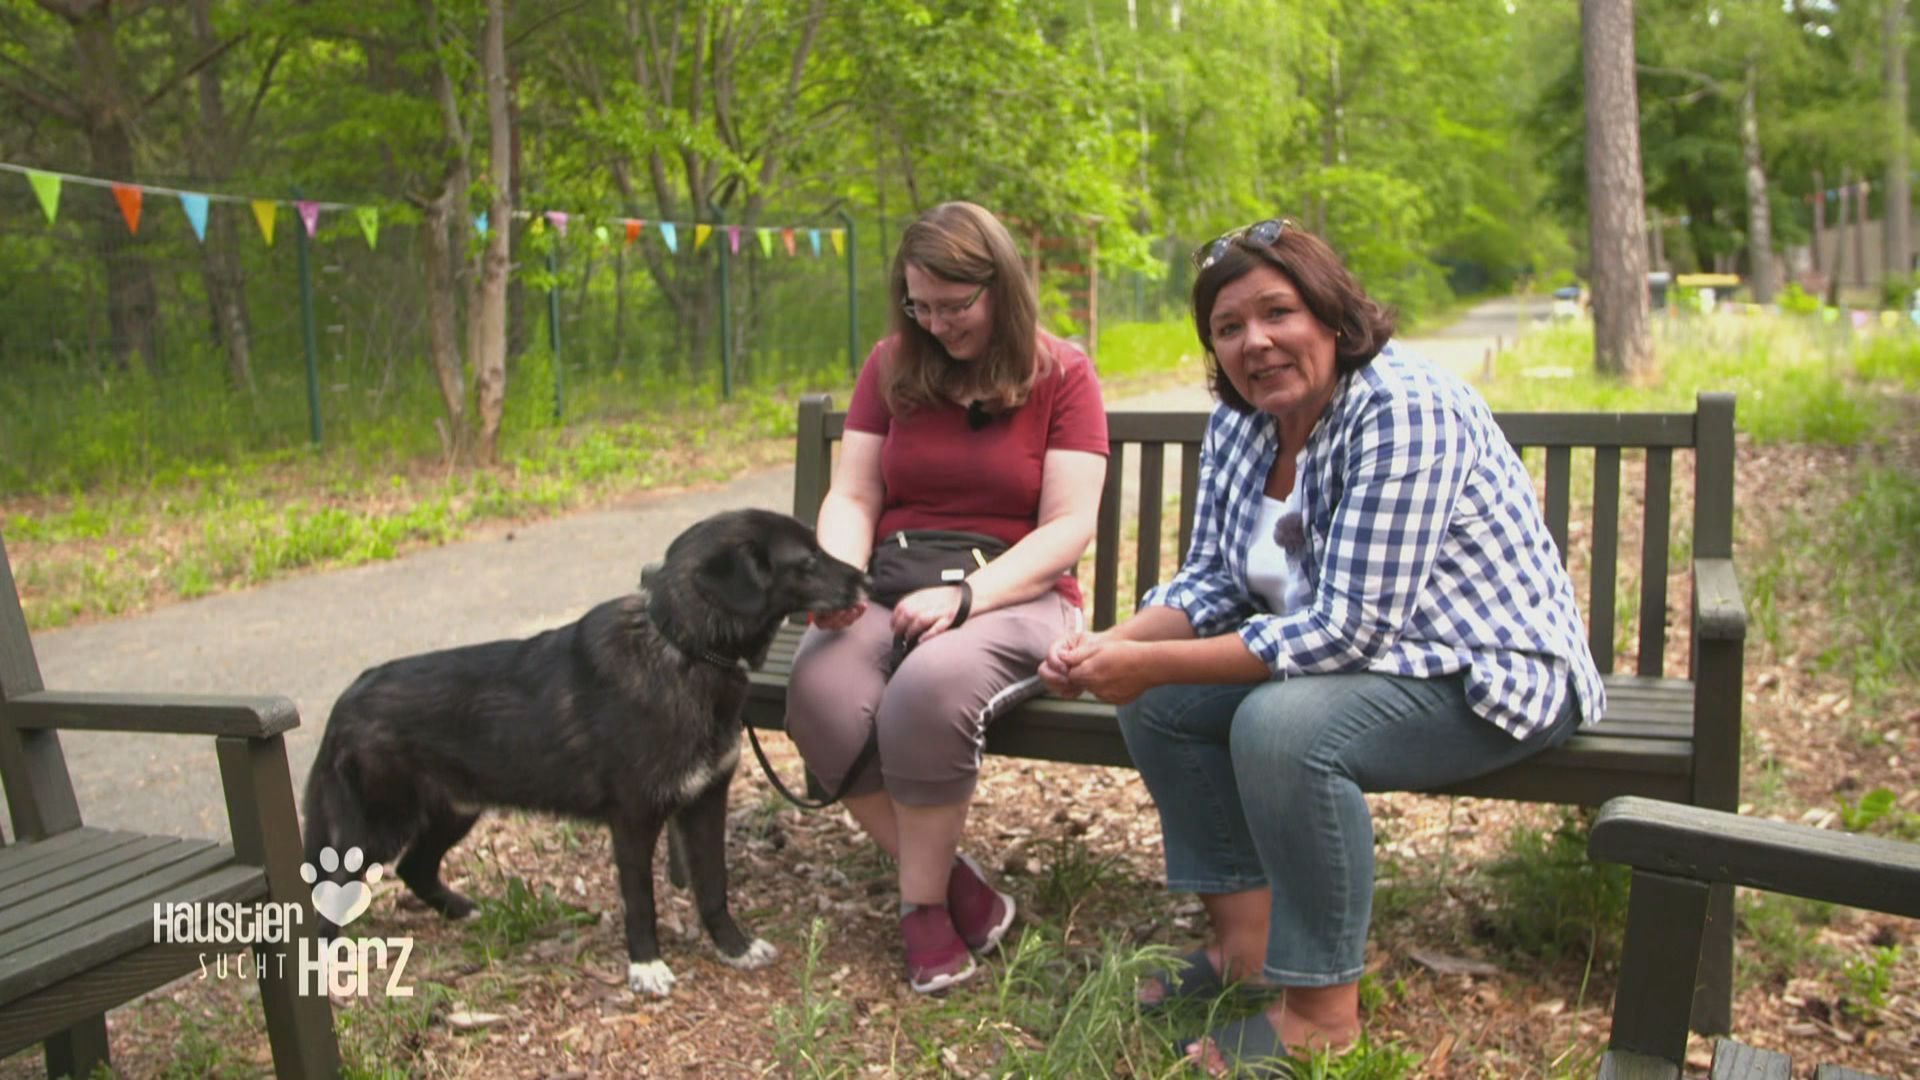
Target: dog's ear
737,576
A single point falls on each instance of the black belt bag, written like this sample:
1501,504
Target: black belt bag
914,559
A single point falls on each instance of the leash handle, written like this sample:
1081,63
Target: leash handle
859,765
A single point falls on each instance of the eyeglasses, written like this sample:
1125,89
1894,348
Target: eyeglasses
926,313
1258,234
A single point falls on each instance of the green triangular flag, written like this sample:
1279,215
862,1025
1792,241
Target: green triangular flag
47,187
766,242
370,223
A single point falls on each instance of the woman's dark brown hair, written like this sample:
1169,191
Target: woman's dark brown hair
1328,289
961,242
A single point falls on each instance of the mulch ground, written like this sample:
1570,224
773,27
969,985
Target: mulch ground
1468,1006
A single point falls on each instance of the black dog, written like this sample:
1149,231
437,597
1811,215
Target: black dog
630,716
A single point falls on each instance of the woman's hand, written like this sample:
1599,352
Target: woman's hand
925,614
1114,670
838,620
1056,670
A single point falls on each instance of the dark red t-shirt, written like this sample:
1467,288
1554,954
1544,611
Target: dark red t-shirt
941,474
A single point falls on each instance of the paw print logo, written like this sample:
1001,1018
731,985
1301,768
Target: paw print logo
341,904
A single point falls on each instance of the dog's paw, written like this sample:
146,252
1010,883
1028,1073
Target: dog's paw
653,977
758,955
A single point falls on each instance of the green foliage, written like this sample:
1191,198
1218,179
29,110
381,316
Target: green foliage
1795,300
1551,899
1869,981
1781,936
1859,816
379,1043
1897,291
1891,358
808,1034
521,914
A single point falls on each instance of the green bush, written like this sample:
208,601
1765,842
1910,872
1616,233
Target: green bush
1552,900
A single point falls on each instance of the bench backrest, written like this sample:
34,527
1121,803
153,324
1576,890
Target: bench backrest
32,767
1141,441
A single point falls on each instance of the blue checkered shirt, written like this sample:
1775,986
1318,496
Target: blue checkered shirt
1426,550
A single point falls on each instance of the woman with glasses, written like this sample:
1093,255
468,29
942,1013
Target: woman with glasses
1371,602
967,418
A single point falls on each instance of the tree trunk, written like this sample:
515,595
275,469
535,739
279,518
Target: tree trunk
1899,212
1616,194
132,305
220,265
442,319
490,342
1759,213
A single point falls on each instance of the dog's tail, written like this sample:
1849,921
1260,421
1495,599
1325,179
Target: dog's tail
349,805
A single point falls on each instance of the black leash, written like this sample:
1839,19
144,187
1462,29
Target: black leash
859,766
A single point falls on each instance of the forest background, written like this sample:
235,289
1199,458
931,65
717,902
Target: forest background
1438,144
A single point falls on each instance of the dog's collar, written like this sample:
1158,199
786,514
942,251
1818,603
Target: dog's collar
704,655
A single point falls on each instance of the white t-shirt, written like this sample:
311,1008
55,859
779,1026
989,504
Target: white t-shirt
1277,576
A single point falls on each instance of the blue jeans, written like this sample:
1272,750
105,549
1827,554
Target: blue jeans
1261,786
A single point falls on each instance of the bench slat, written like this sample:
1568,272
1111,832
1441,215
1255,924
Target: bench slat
1559,482
153,855
1189,496
115,934
67,846
1596,429
151,885
39,878
1738,1061
1627,1065
1658,526
1606,554
1153,469
1106,542
1841,1072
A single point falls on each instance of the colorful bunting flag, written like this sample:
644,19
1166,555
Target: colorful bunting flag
196,208
786,238
839,241
129,198
813,237
733,239
538,227
46,188
559,219
668,233
700,234
480,223
370,224
633,229
309,215
766,242
264,211
1860,318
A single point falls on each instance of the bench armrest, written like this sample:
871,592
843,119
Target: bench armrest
1690,842
170,714
1720,612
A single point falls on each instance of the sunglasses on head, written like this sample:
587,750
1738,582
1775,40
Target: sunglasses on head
1258,234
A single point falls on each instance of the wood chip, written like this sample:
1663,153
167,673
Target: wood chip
470,1021
1443,964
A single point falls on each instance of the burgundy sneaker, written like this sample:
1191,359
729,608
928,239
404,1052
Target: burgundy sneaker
981,913
936,957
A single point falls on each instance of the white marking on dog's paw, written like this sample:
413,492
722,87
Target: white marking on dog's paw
758,955
653,977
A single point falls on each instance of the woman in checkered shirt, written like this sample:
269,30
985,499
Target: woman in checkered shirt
1371,603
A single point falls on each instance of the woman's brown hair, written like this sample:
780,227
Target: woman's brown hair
964,243
1361,324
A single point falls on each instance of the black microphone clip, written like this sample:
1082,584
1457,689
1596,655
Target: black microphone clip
978,416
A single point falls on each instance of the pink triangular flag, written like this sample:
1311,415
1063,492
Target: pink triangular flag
309,215
559,219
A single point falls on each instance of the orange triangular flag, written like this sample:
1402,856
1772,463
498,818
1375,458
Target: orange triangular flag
633,229
264,211
128,197
786,237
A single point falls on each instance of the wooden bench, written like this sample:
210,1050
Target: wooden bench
1666,735
77,904
1679,854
